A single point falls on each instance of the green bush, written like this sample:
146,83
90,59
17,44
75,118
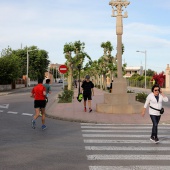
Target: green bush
66,96
141,97
130,91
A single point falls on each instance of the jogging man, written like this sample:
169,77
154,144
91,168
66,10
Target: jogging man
39,94
88,89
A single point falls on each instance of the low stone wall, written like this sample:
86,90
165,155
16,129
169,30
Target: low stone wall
19,86
5,87
8,87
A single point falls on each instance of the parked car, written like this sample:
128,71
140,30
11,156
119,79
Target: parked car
60,81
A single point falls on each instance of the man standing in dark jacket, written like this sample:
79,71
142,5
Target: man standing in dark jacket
88,90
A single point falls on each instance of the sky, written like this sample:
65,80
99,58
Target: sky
51,24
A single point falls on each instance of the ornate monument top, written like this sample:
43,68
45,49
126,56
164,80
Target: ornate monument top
119,4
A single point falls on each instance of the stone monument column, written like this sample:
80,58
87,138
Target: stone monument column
117,8
167,79
119,101
117,11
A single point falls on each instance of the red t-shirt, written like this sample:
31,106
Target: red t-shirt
37,91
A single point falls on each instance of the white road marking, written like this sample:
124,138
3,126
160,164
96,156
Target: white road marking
126,148
12,112
27,114
115,135
128,157
4,106
113,124
129,167
95,133
165,140
123,127
1,111
114,131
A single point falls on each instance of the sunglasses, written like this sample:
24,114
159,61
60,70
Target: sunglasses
156,90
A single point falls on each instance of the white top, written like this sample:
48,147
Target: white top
151,99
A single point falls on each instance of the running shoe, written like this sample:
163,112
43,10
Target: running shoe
44,127
152,139
90,110
156,140
33,124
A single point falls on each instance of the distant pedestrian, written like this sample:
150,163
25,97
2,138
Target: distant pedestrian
75,83
48,89
155,99
39,94
110,90
88,91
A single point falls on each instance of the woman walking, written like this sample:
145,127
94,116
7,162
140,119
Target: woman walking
155,99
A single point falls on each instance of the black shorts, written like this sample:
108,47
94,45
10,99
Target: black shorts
39,103
87,96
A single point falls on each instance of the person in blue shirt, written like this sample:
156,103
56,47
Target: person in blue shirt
48,91
48,88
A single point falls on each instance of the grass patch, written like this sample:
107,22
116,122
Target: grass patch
66,96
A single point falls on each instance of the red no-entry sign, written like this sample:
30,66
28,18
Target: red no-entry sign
63,69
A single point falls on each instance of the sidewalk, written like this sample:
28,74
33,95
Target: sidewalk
74,112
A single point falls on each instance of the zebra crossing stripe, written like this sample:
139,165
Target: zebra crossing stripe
115,135
114,131
1,111
27,114
124,148
128,157
129,167
124,127
112,124
12,112
164,140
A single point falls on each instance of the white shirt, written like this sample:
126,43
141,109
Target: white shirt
151,99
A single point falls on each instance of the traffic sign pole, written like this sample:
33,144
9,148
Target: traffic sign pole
63,81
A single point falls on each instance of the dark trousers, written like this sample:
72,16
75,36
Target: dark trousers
155,121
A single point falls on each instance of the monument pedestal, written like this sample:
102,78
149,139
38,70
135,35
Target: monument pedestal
119,101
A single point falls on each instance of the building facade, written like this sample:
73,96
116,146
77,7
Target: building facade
133,70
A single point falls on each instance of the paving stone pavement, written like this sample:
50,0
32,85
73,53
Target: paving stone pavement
74,111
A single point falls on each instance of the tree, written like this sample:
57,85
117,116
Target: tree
38,61
76,49
9,68
150,72
159,79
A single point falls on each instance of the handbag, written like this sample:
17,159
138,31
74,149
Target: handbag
161,111
80,97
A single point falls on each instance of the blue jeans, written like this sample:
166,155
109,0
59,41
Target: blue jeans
155,121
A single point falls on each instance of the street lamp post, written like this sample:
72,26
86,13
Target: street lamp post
145,64
28,62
